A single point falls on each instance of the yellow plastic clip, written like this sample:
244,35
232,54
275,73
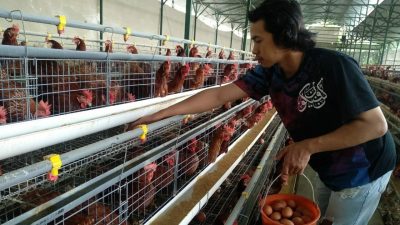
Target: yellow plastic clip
56,163
127,33
48,36
165,40
245,194
61,25
143,136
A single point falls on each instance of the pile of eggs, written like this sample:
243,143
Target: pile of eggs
288,212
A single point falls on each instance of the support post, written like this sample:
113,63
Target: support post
188,14
161,20
387,29
395,53
387,53
363,32
372,31
245,29
216,35
197,13
218,21
101,22
230,44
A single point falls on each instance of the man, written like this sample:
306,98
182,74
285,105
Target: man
325,104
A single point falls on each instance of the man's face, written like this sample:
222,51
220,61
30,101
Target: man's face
267,53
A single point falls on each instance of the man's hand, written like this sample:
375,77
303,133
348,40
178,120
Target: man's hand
295,159
144,120
198,103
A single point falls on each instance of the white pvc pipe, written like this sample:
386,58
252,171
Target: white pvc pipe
15,129
102,28
32,135
92,40
15,177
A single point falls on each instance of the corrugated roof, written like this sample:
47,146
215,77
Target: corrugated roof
354,17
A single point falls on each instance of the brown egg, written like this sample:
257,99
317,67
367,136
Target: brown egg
276,216
298,221
201,216
268,210
282,202
279,205
287,212
286,222
292,204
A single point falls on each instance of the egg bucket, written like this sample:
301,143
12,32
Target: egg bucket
311,206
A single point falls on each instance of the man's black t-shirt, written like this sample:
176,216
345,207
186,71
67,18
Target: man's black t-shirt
328,91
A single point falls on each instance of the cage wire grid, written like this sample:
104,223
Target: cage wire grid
180,171
32,88
223,201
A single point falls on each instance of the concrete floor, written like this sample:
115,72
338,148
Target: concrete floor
303,188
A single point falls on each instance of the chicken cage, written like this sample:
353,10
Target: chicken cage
127,177
384,81
58,97
39,88
388,93
221,205
57,80
68,157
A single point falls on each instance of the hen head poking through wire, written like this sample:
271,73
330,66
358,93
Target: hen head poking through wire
10,35
3,115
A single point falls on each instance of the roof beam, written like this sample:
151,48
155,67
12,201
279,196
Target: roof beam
227,10
232,14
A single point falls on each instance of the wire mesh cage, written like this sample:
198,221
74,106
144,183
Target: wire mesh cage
39,88
143,176
146,175
222,202
36,86
388,93
72,85
16,91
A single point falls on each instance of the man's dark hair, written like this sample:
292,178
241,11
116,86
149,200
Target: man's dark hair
283,18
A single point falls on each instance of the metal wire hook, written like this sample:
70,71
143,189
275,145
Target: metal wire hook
109,30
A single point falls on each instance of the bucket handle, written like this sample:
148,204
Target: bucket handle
269,187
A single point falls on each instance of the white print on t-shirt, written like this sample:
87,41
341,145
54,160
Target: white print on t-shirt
311,95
